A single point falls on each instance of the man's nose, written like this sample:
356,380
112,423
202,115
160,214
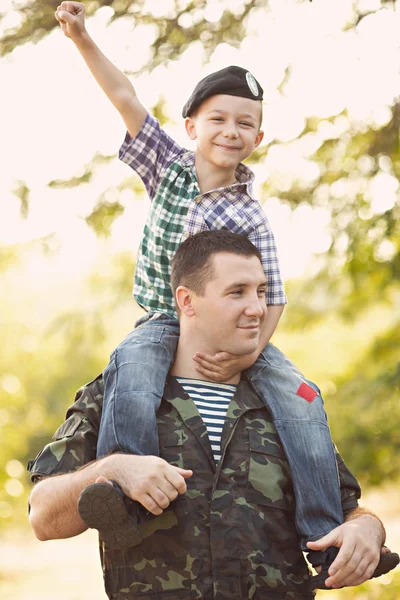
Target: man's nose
256,307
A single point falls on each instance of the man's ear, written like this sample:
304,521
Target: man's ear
190,127
183,299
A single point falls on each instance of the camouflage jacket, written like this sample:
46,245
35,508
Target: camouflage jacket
232,535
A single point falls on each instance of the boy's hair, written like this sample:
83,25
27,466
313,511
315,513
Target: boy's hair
192,266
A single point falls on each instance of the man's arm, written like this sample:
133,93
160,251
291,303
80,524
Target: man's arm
360,539
116,86
53,512
68,464
148,479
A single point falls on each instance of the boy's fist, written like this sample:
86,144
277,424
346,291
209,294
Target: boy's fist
71,16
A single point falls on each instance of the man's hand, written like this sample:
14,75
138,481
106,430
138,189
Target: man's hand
71,16
148,479
223,366
360,541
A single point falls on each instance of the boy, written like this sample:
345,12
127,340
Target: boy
191,192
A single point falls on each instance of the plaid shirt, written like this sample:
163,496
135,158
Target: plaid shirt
179,210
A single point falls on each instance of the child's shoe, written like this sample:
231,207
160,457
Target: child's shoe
106,508
325,559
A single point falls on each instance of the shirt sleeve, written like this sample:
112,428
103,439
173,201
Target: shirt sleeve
149,153
350,490
74,444
264,239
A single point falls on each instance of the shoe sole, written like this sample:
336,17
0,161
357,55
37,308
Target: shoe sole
387,563
102,508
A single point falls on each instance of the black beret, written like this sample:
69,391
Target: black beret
232,81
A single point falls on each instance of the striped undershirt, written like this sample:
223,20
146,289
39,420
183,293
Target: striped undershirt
212,401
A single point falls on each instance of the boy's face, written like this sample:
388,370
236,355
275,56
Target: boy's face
227,129
229,314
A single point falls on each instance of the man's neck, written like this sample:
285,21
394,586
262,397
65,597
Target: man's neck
211,177
185,366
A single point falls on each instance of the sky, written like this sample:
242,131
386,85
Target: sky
54,118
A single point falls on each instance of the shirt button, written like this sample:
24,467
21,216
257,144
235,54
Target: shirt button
198,199
186,235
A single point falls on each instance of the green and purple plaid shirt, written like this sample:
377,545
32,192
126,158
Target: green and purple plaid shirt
179,210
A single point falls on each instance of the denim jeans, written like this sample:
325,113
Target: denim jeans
301,422
134,382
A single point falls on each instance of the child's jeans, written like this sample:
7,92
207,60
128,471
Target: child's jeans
134,382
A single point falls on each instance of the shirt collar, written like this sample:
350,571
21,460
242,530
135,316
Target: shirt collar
244,174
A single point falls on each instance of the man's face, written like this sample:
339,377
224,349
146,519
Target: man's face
227,129
229,315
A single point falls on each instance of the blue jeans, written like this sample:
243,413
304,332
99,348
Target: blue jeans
134,382
303,429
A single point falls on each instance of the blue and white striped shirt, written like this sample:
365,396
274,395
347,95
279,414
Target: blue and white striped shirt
212,401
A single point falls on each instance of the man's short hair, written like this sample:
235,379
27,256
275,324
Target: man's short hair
192,265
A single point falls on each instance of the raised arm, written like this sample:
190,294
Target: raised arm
116,86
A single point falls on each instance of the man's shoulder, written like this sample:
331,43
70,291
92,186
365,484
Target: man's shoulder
89,398
74,442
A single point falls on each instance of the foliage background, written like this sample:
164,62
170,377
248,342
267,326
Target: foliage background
334,175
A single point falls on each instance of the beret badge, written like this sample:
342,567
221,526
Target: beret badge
252,83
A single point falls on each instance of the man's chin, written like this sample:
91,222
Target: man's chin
244,349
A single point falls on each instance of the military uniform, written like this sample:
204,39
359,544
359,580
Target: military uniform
232,535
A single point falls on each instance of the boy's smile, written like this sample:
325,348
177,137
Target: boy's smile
227,130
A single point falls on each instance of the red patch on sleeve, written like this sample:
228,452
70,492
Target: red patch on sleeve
306,392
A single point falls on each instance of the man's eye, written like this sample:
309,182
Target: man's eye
217,119
237,292
262,292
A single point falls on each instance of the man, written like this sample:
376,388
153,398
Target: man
223,505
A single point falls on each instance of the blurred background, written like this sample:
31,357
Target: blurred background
72,214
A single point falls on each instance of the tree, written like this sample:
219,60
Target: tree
183,23
348,162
